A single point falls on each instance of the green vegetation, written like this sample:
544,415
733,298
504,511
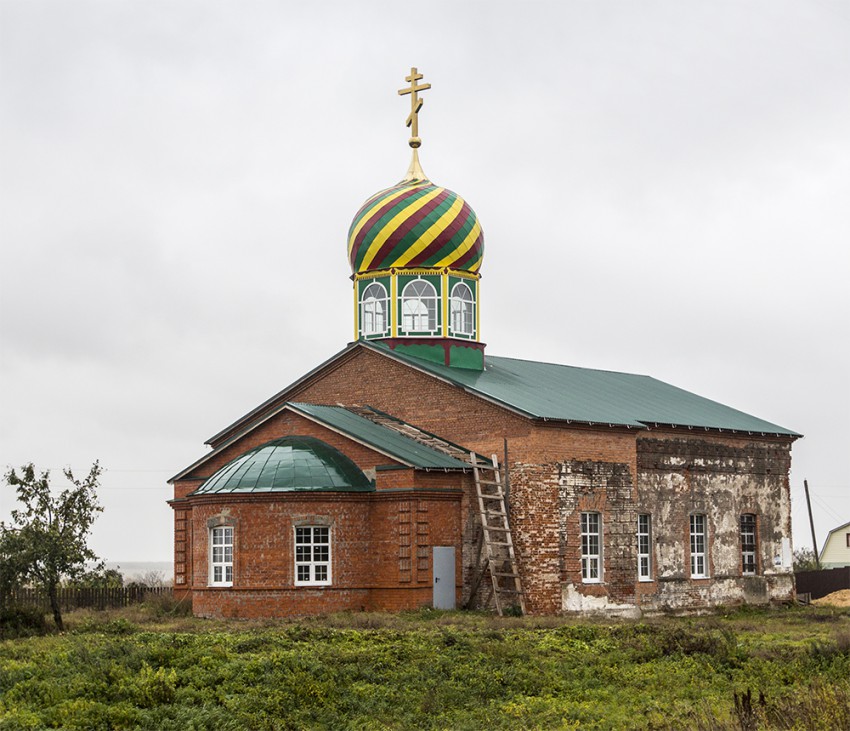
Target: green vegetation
145,668
46,542
805,560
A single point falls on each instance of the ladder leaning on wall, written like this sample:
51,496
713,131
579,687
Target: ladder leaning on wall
497,539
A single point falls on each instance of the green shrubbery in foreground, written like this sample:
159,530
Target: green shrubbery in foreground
782,669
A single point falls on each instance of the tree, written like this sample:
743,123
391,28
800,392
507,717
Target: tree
48,535
152,579
804,560
10,566
97,578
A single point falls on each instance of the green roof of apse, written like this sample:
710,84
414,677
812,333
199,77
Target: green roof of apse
385,440
294,463
568,393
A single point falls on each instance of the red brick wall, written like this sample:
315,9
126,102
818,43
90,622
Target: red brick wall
371,379
381,548
548,493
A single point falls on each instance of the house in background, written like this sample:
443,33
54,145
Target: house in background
836,548
364,485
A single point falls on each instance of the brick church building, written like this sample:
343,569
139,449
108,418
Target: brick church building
370,482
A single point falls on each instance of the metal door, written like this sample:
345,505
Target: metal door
444,577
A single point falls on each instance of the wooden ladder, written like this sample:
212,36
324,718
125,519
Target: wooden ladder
501,556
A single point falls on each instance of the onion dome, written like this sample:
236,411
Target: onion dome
415,224
295,463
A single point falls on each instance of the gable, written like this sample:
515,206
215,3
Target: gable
836,547
509,393
386,436
364,375
281,424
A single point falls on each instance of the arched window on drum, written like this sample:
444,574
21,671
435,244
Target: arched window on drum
419,308
462,305
373,311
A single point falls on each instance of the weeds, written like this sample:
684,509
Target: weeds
18,621
431,670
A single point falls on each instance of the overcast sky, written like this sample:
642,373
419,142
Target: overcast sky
664,189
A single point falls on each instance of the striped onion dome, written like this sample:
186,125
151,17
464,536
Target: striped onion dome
415,224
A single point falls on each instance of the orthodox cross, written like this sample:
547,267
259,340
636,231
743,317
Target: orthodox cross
415,105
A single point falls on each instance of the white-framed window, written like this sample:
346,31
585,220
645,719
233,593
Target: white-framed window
312,555
419,308
591,548
462,306
221,556
644,545
748,545
699,567
374,309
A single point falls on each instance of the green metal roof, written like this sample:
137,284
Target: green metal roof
385,440
568,393
295,463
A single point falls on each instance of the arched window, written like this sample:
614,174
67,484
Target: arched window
463,310
221,556
419,307
373,310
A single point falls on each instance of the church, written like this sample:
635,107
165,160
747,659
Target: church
415,469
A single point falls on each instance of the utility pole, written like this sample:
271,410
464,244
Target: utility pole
812,524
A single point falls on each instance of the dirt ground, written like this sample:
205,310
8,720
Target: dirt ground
836,599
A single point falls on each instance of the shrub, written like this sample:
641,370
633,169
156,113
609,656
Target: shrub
155,687
163,604
21,621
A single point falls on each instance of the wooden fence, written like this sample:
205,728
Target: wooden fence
823,582
71,598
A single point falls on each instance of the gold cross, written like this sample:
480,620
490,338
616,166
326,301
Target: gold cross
415,105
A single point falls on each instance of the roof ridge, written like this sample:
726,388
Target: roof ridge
331,416
423,437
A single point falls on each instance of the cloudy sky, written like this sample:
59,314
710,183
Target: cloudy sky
664,189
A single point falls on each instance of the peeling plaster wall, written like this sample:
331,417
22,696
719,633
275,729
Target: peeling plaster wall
606,488
670,477
721,478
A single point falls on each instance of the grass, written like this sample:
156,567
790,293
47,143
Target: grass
147,667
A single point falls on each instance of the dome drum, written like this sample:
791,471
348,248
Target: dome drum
416,303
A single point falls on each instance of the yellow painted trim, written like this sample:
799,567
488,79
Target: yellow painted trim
463,274
390,228
478,312
470,239
444,285
394,303
431,233
356,312
371,275
419,272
